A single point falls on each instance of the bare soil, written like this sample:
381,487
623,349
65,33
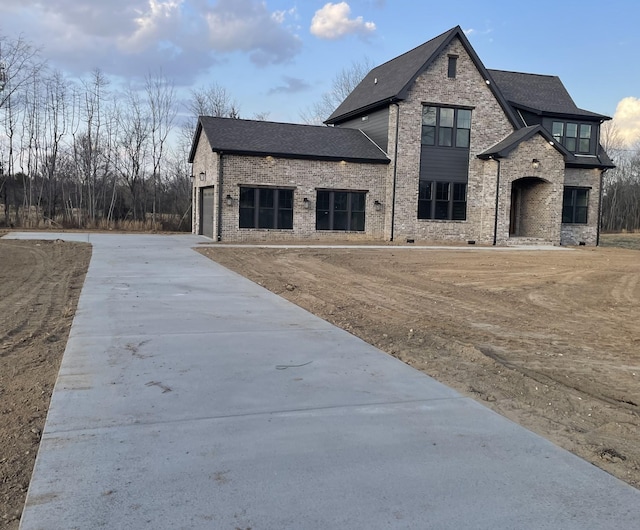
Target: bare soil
40,282
549,339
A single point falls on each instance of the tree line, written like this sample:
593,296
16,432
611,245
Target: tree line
84,154
620,186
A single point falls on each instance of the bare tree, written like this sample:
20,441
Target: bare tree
343,84
162,113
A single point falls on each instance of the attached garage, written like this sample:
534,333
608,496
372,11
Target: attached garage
207,198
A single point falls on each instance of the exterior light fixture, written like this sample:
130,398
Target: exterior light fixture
535,163
377,205
192,178
203,175
229,200
307,203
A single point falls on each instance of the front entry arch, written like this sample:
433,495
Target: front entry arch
531,198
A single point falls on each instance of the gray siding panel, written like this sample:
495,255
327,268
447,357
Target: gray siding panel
442,164
375,126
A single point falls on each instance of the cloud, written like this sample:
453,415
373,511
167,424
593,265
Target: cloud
332,22
627,120
293,85
128,38
247,25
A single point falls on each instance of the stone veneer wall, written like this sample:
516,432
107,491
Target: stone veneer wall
541,212
574,234
489,125
304,176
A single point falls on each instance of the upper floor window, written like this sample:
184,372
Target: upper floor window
452,66
446,126
576,137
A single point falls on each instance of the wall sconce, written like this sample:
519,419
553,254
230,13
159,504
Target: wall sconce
203,175
192,178
306,203
377,205
535,163
228,200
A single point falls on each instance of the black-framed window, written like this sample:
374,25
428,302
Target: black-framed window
452,66
340,210
576,137
266,208
442,200
575,205
446,126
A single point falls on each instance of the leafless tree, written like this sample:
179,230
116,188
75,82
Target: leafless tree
343,84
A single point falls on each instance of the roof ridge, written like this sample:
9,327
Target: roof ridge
522,73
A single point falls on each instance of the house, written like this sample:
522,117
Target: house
430,146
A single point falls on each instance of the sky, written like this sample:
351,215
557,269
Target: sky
277,57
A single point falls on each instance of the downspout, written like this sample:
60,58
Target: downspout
395,174
219,223
495,221
599,208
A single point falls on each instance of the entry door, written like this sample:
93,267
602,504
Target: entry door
206,211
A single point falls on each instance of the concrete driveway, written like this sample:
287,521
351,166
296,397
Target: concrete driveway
191,398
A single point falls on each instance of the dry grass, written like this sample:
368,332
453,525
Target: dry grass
629,240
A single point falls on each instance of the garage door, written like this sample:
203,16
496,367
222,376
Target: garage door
206,211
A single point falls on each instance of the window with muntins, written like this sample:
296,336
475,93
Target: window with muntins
446,126
266,208
576,137
442,200
575,205
340,210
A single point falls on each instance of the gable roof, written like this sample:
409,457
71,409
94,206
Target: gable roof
541,94
392,80
286,140
508,144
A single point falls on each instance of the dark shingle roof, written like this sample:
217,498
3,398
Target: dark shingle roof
508,144
539,93
385,82
287,140
392,80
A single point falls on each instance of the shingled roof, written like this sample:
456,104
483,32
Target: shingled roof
541,94
287,140
392,80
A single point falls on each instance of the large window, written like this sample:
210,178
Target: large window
340,210
575,205
266,208
442,200
576,137
446,127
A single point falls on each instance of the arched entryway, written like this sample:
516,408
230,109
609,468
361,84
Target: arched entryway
531,198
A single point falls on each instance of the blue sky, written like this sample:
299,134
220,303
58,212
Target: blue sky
279,56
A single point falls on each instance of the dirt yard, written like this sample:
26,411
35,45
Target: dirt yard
40,283
550,339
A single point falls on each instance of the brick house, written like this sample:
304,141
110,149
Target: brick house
430,146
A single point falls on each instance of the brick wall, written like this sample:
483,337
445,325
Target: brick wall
489,125
574,234
204,161
304,176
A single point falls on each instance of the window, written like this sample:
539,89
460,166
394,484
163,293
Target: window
340,210
575,205
576,137
452,66
442,200
266,208
446,127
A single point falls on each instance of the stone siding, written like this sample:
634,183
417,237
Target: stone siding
575,234
304,177
489,125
